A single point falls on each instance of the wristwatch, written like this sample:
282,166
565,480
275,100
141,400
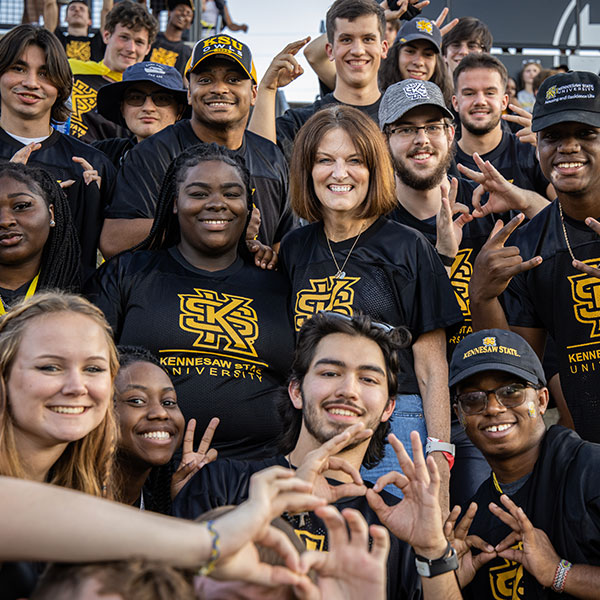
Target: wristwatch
446,448
427,567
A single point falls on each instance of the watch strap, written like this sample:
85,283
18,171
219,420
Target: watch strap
427,567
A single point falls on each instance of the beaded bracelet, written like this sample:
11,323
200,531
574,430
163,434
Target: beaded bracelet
215,551
560,577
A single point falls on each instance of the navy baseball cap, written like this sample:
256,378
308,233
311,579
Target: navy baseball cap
111,95
573,96
420,28
495,350
407,94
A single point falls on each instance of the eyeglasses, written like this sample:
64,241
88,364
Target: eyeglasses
135,98
470,46
377,324
409,132
508,396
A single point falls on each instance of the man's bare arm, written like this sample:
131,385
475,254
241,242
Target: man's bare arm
50,15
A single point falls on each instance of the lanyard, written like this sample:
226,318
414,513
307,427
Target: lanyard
30,292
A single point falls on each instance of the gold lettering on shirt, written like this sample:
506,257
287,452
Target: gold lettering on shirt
329,293
79,50
585,290
221,321
164,56
460,276
83,99
506,580
312,541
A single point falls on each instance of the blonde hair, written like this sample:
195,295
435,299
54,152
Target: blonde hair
86,464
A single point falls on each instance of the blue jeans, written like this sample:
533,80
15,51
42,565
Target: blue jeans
408,416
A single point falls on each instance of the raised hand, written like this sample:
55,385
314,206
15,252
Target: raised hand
192,462
462,542
284,68
89,173
316,463
496,264
22,156
449,231
584,267
522,118
440,20
538,555
349,570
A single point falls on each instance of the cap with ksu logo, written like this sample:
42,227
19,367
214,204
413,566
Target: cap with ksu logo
420,28
407,94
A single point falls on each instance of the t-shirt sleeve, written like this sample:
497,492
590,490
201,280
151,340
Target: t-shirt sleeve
287,126
139,181
518,306
428,300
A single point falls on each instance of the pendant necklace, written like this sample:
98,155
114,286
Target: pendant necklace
340,270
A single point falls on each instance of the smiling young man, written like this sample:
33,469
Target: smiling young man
343,380
558,296
356,43
550,543
35,83
470,36
222,90
479,99
169,48
128,33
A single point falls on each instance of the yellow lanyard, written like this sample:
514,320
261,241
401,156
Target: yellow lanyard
30,292
496,483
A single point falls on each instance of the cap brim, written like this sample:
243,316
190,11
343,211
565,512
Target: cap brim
418,36
110,96
223,54
587,117
446,113
490,366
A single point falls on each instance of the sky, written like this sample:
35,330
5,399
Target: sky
272,25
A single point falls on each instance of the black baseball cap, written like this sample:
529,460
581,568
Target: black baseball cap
222,46
172,4
495,350
110,96
573,96
420,28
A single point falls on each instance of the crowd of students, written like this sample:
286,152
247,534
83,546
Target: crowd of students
329,337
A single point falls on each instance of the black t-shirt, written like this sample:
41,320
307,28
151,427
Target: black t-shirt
516,161
289,123
140,178
224,337
115,148
225,482
165,52
566,302
562,498
87,202
82,47
393,274
475,234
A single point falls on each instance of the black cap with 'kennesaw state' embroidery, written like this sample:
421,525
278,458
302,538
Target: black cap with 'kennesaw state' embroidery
573,96
223,46
495,350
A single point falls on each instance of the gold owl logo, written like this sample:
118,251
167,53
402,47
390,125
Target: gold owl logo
222,322
551,92
425,26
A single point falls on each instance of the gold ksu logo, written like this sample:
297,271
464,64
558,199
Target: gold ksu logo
489,341
551,92
222,322
164,56
585,290
83,99
329,293
425,26
78,50
312,541
460,276
506,579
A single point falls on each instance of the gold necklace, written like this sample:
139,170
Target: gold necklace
340,271
562,222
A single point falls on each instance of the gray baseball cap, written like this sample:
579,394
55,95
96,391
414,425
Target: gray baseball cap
407,94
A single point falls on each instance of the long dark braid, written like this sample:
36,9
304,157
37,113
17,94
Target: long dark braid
165,227
60,267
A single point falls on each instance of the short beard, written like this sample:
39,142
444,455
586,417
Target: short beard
423,183
473,130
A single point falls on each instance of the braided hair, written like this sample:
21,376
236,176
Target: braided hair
60,266
165,230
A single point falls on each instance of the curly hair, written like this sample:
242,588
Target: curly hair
133,16
389,339
60,266
14,44
165,230
86,464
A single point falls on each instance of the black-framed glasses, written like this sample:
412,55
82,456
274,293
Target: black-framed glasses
378,324
137,98
471,46
509,396
432,130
